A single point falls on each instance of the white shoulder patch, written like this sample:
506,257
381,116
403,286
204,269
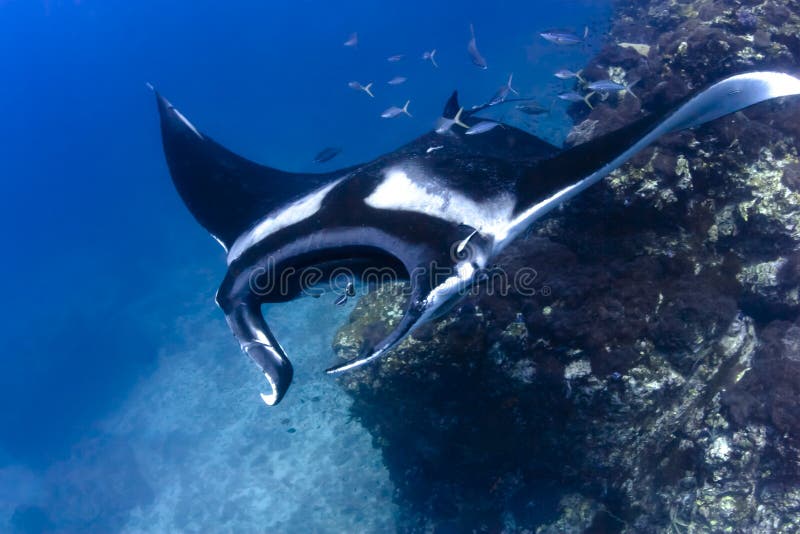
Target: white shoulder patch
287,216
399,192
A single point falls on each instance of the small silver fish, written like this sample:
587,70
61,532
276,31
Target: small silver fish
482,127
610,86
397,80
350,289
340,301
430,56
472,49
352,41
503,92
358,87
572,96
434,148
606,86
395,58
561,38
444,124
394,111
566,74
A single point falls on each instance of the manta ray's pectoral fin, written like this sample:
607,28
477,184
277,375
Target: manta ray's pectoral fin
257,341
226,193
552,181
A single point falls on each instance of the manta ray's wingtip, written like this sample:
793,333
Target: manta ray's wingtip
163,104
171,118
779,83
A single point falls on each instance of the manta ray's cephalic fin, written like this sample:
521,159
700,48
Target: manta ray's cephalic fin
248,326
414,313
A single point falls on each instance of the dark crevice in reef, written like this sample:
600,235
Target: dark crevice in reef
653,380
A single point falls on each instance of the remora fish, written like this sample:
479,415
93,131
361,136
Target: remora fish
472,49
402,211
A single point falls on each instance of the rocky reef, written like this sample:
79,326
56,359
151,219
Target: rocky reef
650,381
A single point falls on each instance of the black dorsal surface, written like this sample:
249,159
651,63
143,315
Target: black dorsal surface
225,192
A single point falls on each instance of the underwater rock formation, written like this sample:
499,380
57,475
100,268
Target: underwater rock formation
648,380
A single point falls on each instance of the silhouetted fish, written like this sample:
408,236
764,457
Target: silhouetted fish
472,48
327,154
532,109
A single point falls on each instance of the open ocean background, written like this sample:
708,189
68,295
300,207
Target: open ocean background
126,403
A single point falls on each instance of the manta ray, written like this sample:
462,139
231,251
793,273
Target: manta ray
437,210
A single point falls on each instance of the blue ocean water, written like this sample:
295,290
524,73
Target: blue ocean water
127,406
